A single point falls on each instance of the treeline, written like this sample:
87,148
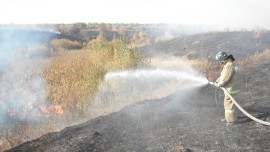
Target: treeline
136,34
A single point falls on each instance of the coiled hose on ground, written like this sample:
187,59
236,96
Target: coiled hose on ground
241,109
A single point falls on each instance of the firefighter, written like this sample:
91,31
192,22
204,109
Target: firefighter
229,80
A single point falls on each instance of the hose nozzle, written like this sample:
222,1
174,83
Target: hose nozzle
212,83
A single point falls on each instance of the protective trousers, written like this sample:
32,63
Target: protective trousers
229,111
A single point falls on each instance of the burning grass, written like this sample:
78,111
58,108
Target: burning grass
72,80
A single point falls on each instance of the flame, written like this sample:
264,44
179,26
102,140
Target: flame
12,112
51,109
28,110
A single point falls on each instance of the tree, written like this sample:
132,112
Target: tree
102,27
61,28
122,30
142,35
101,37
80,26
134,38
109,28
258,34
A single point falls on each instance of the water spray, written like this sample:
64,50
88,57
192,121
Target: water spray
122,88
212,83
156,74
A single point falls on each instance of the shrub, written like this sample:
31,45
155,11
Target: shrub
255,59
115,55
73,77
64,44
211,68
101,38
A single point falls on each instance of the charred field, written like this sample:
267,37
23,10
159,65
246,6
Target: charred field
187,120
168,124
240,43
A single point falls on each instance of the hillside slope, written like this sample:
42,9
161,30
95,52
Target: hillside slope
241,44
187,120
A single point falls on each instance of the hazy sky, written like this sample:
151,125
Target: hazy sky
226,13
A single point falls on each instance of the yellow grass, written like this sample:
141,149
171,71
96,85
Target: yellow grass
211,68
73,77
255,59
64,44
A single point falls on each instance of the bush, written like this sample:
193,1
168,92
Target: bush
115,55
73,77
101,38
64,44
255,59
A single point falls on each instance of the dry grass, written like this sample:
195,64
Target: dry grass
254,60
208,67
178,149
23,131
211,68
73,78
59,45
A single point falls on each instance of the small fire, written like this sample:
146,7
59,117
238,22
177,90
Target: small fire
28,110
12,112
51,109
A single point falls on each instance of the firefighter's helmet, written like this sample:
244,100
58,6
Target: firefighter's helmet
221,56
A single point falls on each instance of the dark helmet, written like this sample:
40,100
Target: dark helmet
221,56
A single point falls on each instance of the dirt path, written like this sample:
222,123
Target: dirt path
170,124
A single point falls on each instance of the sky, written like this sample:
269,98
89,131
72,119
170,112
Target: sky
225,13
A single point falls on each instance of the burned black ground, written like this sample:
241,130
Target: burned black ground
239,43
189,121
179,120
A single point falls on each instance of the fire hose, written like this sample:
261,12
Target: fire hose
240,108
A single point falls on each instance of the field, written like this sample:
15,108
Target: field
71,75
171,124
160,121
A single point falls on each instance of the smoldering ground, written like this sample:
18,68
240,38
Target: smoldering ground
186,120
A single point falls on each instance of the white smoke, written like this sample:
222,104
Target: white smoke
22,90
22,87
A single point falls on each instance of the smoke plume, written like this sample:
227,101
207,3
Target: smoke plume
22,87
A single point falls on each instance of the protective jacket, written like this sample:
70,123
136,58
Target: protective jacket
229,76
